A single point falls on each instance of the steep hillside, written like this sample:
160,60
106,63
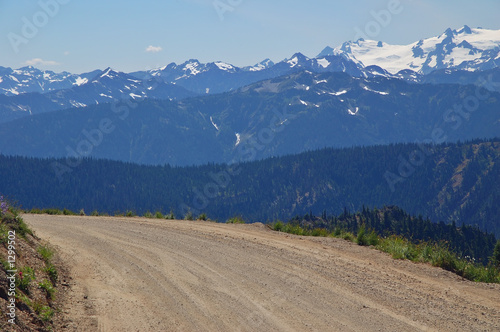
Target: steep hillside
31,285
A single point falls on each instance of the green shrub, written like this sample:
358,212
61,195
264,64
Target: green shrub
398,247
52,211
46,313
46,253
35,211
278,226
361,237
4,233
82,212
22,228
347,236
67,212
130,214
202,216
235,220
495,258
94,213
319,232
148,214
373,239
49,289
51,271
294,229
189,216
170,216
158,215
26,275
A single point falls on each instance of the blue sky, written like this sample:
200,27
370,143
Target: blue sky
83,35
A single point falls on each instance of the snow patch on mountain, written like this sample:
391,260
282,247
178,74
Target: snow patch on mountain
323,62
379,92
224,66
80,81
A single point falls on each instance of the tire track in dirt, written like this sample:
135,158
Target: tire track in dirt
136,274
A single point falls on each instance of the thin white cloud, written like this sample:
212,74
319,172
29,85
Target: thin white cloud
153,49
38,62
66,53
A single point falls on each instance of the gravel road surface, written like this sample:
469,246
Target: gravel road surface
135,274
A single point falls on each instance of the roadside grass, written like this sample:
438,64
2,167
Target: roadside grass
31,274
50,269
48,288
235,220
45,312
436,254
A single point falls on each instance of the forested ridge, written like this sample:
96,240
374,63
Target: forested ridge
448,182
467,241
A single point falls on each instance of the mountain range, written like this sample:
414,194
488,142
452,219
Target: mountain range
361,93
285,115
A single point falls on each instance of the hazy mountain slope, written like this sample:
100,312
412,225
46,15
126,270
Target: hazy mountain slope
290,114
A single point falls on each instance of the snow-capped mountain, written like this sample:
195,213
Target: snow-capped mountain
30,79
105,87
110,85
456,56
464,49
217,77
264,64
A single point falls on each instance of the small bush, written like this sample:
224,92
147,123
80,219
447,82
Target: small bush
130,214
170,216
361,238
51,271
148,215
67,212
319,232
95,213
278,226
347,236
35,211
189,216
49,289
294,229
46,253
158,215
46,313
235,220
52,211
22,228
26,275
202,216
373,239
495,258
4,234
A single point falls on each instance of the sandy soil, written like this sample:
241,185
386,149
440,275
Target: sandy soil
131,274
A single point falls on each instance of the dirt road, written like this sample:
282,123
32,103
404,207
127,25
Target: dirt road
132,274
